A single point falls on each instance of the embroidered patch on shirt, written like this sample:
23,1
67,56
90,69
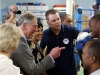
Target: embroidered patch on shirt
65,41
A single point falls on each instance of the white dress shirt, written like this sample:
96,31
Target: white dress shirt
7,67
97,72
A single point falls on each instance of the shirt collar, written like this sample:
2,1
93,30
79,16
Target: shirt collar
97,72
3,56
24,37
62,29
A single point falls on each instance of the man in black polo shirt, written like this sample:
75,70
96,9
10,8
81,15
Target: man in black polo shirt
60,35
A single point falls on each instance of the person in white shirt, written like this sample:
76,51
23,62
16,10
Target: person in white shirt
9,39
91,57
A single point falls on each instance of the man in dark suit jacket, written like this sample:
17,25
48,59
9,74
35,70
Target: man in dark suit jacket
23,57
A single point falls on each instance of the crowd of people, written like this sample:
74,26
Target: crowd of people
22,44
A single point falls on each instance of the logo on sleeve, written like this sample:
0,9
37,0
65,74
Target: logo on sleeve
65,41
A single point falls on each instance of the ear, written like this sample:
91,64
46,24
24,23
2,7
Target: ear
93,59
98,23
47,21
24,25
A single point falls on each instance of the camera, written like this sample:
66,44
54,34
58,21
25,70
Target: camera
17,11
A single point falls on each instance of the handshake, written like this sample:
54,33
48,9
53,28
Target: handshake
82,39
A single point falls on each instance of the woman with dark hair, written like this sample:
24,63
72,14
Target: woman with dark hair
37,36
34,43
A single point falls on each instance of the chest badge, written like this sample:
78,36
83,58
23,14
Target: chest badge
65,41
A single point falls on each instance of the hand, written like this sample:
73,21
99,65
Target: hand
13,7
55,52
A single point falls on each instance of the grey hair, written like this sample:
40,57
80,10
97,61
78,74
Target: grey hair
26,18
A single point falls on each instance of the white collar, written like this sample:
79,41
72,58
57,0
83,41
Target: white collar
24,37
3,56
97,72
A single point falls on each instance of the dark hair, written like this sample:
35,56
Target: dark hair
94,48
97,12
96,18
63,16
27,18
39,23
51,11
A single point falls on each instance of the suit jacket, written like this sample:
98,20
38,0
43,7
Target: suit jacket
24,59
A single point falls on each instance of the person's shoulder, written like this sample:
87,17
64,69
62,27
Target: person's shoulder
3,58
15,53
46,31
20,50
5,61
7,67
68,27
86,30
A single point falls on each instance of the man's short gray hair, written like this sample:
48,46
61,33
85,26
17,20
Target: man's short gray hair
26,18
